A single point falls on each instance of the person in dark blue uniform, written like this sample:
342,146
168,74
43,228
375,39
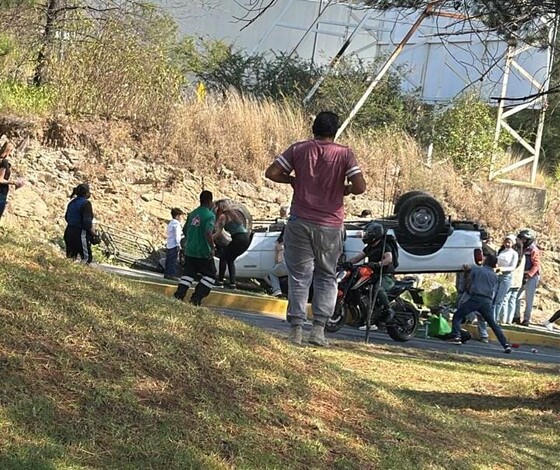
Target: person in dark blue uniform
79,232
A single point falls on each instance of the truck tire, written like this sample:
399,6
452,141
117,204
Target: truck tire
405,197
421,218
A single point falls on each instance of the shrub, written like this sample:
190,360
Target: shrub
24,99
464,134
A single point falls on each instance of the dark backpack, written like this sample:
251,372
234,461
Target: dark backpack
391,242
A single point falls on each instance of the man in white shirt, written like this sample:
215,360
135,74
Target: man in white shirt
173,243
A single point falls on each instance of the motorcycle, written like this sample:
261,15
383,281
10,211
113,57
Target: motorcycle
356,296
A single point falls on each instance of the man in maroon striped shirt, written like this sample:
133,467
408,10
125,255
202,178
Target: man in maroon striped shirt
323,173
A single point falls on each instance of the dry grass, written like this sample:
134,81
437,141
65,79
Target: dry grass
238,137
97,373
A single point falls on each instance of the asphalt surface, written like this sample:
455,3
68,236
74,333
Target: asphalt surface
472,348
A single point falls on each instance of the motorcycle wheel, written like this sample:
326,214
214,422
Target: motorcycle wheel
338,319
406,321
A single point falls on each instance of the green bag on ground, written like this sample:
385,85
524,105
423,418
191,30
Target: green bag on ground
438,326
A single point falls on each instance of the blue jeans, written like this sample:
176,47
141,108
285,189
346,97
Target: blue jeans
311,253
171,258
482,305
529,289
504,283
509,305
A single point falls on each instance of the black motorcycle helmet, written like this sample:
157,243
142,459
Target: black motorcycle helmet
527,236
373,231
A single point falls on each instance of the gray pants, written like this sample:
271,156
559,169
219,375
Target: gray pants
311,253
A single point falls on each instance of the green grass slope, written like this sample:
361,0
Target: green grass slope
97,373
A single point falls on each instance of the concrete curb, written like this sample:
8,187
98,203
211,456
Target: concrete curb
218,299
272,306
520,337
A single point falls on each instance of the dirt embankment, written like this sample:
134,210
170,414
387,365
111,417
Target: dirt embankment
135,182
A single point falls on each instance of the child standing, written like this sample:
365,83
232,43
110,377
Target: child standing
173,244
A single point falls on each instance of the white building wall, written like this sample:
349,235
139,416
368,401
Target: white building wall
439,70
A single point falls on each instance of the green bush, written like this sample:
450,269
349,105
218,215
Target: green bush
464,134
21,98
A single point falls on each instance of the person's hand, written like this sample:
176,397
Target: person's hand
347,189
19,183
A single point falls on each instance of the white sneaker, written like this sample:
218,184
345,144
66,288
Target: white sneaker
548,325
371,328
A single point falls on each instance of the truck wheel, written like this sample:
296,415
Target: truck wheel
405,197
421,218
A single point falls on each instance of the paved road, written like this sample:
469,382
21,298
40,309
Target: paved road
473,348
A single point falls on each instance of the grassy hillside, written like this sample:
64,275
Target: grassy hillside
97,373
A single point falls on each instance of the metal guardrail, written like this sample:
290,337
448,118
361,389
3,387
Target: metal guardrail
128,247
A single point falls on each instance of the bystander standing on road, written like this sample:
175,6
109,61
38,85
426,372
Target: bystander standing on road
173,243
482,285
313,236
531,277
199,251
509,303
507,262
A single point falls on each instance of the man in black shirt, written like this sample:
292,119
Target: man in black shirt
382,257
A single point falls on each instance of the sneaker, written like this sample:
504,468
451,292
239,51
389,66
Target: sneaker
524,323
371,328
453,340
296,334
219,283
483,340
232,286
277,293
507,349
317,336
549,326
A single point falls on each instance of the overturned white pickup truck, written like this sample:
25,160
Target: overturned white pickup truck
428,241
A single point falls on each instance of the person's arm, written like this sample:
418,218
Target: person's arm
87,217
5,181
356,259
278,252
219,227
278,174
177,232
209,234
357,183
536,263
280,170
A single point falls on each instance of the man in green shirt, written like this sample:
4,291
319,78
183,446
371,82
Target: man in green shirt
199,250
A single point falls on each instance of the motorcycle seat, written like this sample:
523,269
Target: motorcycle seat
404,283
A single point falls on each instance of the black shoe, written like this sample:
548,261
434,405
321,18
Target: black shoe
507,349
453,340
232,286
388,316
524,323
516,321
